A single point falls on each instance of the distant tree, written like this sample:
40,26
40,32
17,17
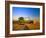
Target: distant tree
21,20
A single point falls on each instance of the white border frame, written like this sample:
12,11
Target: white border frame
25,31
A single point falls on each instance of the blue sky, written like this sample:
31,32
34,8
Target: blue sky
26,12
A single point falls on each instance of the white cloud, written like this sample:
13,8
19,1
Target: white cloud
25,18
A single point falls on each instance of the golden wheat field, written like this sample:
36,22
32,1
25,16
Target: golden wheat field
26,26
